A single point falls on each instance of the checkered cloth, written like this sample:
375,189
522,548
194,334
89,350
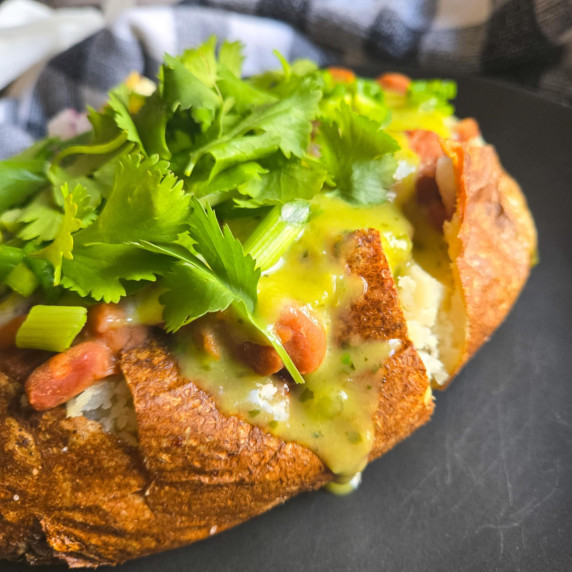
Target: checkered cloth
529,41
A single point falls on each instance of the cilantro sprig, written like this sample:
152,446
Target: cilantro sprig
133,201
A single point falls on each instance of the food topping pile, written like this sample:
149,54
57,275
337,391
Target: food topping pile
223,215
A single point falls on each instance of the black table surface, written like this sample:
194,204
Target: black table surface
487,484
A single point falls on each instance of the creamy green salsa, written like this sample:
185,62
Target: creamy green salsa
332,413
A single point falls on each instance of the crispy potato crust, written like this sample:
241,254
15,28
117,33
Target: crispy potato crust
70,492
405,401
492,241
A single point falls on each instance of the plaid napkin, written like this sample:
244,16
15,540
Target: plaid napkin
529,41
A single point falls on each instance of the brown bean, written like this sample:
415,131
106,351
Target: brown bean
342,75
108,322
396,82
206,338
303,338
104,317
264,360
67,374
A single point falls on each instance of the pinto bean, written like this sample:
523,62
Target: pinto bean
67,374
264,360
206,338
303,338
396,82
104,317
342,75
108,322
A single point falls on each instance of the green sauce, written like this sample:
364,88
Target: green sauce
332,413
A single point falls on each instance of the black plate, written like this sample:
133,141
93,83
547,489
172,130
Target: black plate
487,485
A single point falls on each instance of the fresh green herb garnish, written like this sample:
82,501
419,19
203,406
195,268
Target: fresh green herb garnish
133,202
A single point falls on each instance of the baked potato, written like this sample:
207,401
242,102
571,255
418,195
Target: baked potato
170,377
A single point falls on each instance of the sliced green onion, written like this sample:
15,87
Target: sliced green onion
279,229
51,328
22,280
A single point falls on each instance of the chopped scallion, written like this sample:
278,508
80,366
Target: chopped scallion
275,234
51,328
22,280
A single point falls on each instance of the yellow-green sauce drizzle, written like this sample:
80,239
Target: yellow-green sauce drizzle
332,413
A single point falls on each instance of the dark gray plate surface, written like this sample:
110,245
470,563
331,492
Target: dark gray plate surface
487,485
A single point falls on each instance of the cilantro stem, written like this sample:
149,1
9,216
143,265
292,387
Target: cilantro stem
101,149
275,342
279,229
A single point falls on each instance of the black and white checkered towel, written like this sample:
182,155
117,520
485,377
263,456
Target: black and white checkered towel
529,41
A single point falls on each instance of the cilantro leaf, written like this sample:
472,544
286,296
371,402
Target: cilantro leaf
182,89
241,149
41,217
146,201
60,177
192,291
119,103
19,180
151,123
229,180
284,181
282,83
76,207
224,254
231,57
201,61
243,94
103,178
284,125
97,270
358,155
104,126
289,119
223,274
229,277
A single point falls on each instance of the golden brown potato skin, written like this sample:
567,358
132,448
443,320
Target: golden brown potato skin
70,492
492,241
